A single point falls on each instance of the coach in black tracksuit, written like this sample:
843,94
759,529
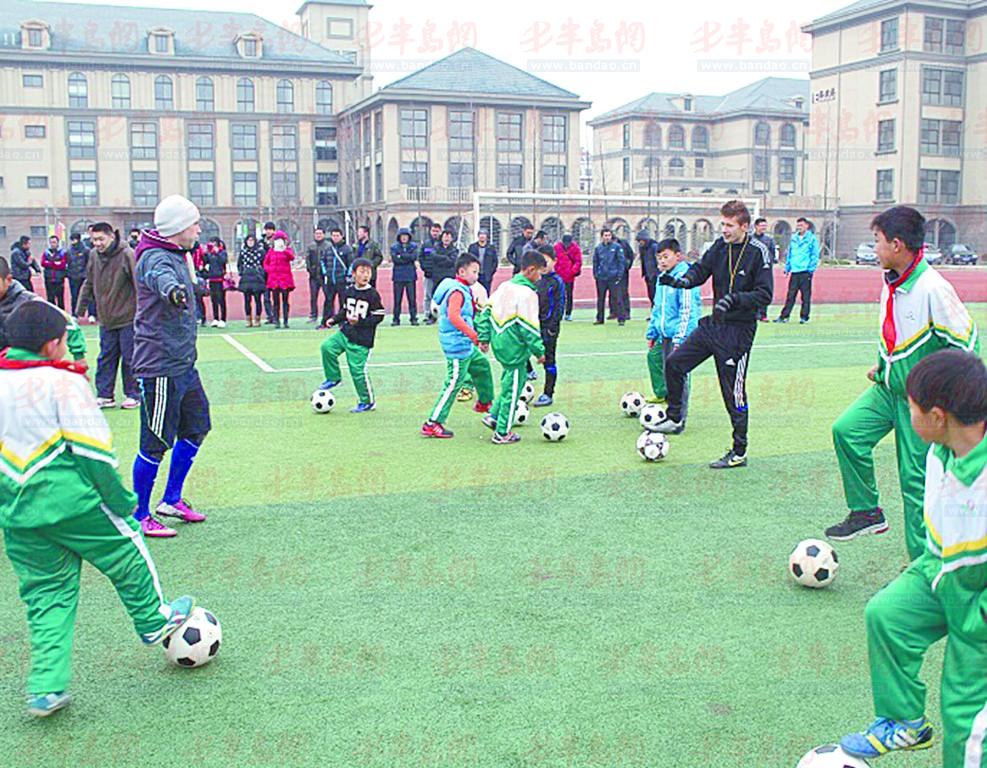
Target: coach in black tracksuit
742,284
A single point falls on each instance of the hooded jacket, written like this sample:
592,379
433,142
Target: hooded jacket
455,343
803,253
568,260
648,249
277,265
404,256
54,263
609,262
78,258
676,311
21,263
111,282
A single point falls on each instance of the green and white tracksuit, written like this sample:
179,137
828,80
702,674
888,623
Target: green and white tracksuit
943,593
920,314
62,502
515,336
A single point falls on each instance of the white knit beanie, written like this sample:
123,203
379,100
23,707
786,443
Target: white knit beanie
174,214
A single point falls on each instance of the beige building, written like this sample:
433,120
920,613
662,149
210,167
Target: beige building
898,111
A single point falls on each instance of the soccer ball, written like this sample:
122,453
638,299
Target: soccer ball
196,642
652,446
813,563
433,310
830,756
527,392
632,403
323,401
554,427
651,415
521,414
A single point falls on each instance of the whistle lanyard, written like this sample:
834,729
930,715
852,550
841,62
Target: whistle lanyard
740,260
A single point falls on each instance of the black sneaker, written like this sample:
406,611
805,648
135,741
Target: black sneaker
730,460
780,320
858,523
395,322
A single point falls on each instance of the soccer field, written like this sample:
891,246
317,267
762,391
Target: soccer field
389,600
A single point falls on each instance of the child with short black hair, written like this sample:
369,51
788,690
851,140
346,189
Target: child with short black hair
551,309
358,318
62,502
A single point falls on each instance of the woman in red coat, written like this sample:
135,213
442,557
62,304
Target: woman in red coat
568,263
277,265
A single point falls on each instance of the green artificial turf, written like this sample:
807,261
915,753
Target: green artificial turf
392,601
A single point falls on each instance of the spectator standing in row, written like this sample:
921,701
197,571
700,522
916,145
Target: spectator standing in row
569,265
313,265
620,305
609,263
429,244
486,254
370,250
800,264
134,239
444,258
335,271
761,233
280,282
647,248
253,279
519,245
267,243
217,261
54,263
404,275
22,262
78,262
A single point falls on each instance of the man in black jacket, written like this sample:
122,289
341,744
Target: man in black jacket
740,266
647,248
761,233
486,254
313,265
78,256
620,304
429,244
519,245
444,257
22,263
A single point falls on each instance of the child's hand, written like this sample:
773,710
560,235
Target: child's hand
541,360
872,374
651,343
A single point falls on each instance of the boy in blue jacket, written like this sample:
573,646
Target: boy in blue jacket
674,316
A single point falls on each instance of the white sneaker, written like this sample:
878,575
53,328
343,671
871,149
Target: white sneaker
106,402
214,324
130,404
221,324
91,319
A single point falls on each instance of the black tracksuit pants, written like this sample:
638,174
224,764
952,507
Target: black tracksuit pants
729,344
798,281
402,289
335,296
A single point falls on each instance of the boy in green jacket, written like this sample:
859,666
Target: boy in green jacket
62,502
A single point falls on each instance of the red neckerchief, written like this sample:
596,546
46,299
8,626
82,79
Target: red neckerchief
17,365
472,297
888,331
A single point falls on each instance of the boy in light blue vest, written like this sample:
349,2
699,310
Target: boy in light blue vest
464,353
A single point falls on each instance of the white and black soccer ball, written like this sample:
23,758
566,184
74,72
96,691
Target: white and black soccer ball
196,642
632,403
323,401
652,446
554,427
527,392
652,415
521,414
830,756
433,310
813,563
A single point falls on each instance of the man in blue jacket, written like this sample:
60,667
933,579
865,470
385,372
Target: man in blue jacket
404,274
801,263
609,263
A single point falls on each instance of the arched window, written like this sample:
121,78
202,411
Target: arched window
552,227
762,135
649,224
620,228
323,97
493,227
453,223
518,224
286,96
700,138
787,137
702,233
209,229
78,90
676,137
584,232
783,235
392,230
676,167
120,91
419,228
244,95
652,135
940,232
204,98
675,228
164,92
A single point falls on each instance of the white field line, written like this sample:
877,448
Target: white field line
248,354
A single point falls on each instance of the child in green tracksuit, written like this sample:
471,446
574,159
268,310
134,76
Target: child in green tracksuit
943,593
920,314
62,502
358,319
462,347
514,336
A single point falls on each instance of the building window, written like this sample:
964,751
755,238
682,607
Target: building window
78,90
201,141
379,181
955,37
367,138
676,167
284,142
786,175
367,190
553,177
885,185
327,189
204,100
414,174
339,28
120,91
378,131
284,185
37,182
939,187
160,43
944,35
930,137
250,48
941,137
145,187
461,130
652,135
144,141
687,104
762,173
762,135
626,170
245,188
510,175
889,35
35,39
202,187
942,87
34,131
700,139
952,132
82,187
887,85
553,134
787,136
885,136
627,135
244,95
325,142
461,175
244,140
949,187
82,138
286,96
509,132
323,97
676,137
414,129
164,92
32,81
700,167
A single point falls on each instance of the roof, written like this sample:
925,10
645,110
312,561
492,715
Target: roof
863,7
471,71
198,33
771,94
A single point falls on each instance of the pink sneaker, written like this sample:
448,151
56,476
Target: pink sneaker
180,509
152,529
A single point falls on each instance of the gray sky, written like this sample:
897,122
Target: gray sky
608,54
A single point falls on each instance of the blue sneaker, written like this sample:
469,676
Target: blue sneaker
328,384
47,703
363,407
885,735
179,611
542,401
532,375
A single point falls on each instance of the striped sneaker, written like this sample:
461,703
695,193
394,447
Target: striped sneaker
885,735
179,611
180,509
47,703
